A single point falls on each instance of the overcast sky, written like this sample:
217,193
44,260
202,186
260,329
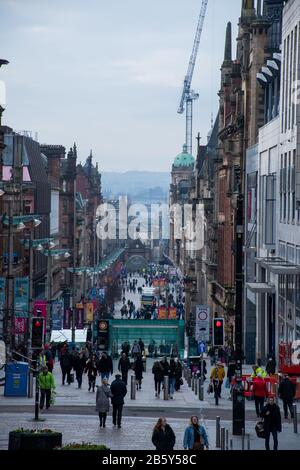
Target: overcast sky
108,74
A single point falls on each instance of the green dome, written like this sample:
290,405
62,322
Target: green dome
184,159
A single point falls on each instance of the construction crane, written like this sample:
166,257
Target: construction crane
188,95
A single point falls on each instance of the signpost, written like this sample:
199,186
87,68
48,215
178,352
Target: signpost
202,324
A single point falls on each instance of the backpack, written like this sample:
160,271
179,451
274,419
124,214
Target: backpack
260,430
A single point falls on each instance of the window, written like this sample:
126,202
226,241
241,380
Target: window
282,250
270,209
291,253
282,286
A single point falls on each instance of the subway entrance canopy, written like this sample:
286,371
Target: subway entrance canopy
168,335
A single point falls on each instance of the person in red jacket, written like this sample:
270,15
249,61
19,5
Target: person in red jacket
260,393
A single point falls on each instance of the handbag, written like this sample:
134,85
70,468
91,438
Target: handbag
227,383
71,378
181,381
260,430
210,389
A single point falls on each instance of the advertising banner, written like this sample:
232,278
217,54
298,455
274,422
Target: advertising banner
172,313
19,326
162,313
57,310
67,319
21,296
79,316
89,312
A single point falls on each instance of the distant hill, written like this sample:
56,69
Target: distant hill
138,185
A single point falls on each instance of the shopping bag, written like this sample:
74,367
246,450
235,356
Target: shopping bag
227,383
210,389
52,398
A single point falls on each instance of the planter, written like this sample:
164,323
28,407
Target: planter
34,440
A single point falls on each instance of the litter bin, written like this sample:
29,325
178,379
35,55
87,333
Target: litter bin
16,379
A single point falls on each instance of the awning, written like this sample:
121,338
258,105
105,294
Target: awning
278,266
261,287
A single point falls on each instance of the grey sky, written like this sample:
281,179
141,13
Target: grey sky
108,74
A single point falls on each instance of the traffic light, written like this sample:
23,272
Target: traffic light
37,333
218,331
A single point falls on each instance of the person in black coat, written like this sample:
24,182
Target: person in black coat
165,365
123,367
91,369
286,392
163,436
79,366
178,375
105,366
271,366
138,368
118,390
272,422
158,372
66,365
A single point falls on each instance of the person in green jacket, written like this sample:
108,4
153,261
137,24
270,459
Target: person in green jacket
46,384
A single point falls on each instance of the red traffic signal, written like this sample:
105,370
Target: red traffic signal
37,333
218,332
218,324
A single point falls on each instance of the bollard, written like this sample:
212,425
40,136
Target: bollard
166,388
193,382
196,385
30,385
218,431
243,439
248,442
222,438
189,378
132,388
201,390
276,393
227,439
231,444
37,399
295,418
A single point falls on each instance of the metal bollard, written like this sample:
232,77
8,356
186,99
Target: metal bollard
248,442
189,378
243,439
30,385
132,388
276,393
201,390
222,438
193,382
218,431
295,418
166,388
196,385
227,439
231,444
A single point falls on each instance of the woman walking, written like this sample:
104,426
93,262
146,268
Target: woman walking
79,366
195,437
91,369
102,402
163,436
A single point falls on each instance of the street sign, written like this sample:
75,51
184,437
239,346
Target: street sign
201,348
202,323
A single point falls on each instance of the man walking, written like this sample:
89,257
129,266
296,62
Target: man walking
46,384
123,367
286,392
66,365
272,422
118,390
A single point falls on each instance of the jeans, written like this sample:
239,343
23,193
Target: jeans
47,394
259,404
172,386
275,438
104,375
117,414
288,404
157,386
217,387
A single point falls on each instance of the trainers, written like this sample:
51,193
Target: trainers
156,395
119,426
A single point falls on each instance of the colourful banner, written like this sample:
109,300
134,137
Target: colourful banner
162,313
19,326
172,313
89,312
57,310
79,316
21,296
67,319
